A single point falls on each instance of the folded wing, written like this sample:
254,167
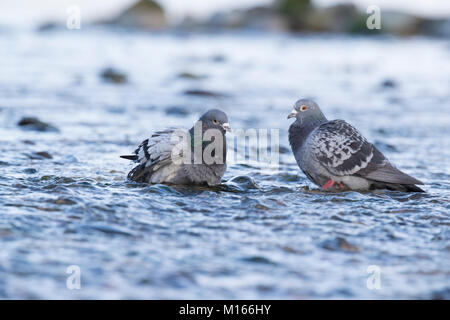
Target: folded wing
153,153
343,151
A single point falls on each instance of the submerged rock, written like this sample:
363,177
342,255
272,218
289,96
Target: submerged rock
40,155
144,14
339,244
33,123
30,171
113,76
244,182
62,201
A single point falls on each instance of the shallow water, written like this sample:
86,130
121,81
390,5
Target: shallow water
262,233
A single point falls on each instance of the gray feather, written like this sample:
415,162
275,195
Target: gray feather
156,163
389,173
340,148
336,151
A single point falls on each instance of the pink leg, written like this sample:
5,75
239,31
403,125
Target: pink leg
328,184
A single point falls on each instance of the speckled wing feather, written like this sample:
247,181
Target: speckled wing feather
343,151
156,148
153,153
340,148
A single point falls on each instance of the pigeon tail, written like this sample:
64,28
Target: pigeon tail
130,157
395,187
140,173
390,174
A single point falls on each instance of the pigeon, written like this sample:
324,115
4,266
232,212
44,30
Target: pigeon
336,157
180,156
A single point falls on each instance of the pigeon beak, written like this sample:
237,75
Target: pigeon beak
226,126
293,114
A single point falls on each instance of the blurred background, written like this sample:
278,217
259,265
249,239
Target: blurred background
400,17
82,82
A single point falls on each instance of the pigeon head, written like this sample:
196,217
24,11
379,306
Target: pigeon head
215,119
306,111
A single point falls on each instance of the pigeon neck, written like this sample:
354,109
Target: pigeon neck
298,132
197,138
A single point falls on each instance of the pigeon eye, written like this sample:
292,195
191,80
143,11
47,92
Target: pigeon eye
215,121
303,108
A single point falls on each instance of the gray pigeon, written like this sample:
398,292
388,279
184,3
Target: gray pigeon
160,158
335,156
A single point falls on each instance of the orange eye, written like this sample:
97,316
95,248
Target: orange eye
303,108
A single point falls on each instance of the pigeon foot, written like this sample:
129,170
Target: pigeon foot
330,183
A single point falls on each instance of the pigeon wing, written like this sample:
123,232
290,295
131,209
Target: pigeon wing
343,150
154,153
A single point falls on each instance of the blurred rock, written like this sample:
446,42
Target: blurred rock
340,18
388,83
283,150
339,244
204,93
191,76
32,123
144,14
113,76
303,16
48,26
69,158
62,201
294,12
218,58
401,23
259,18
177,111
443,294
244,183
440,28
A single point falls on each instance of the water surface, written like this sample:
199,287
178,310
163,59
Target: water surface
262,233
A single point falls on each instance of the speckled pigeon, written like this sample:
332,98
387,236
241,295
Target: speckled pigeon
156,161
335,156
